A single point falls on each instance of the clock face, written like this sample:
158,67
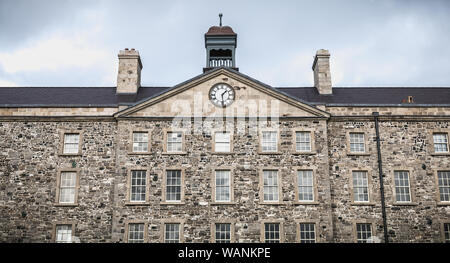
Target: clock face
221,95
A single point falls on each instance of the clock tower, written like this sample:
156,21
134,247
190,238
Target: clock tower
220,44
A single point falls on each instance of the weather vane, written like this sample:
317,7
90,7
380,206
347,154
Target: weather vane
220,17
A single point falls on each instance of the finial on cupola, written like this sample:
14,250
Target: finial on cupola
220,18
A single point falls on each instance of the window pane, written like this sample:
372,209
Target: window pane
174,141
136,233
71,141
140,142
303,141
444,185
447,232
272,233
269,141
270,185
402,191
360,186
305,186
222,142
138,186
223,186
64,233
67,187
363,232
357,142
172,233
440,142
173,185
223,233
307,233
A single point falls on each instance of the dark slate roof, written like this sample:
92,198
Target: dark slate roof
107,97
373,95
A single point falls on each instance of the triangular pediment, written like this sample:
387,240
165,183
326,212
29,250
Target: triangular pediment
252,99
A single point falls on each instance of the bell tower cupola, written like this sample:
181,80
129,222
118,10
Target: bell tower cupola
220,44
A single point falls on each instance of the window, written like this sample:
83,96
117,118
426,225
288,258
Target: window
140,141
67,187
172,233
173,185
360,186
272,233
303,141
136,233
402,192
222,142
71,141
357,143
307,233
363,233
270,191
447,232
222,190
269,141
174,142
223,233
138,186
63,234
440,142
444,185
305,185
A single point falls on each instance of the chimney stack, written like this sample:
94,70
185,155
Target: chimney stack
322,75
129,74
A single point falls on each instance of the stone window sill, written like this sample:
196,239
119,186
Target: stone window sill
443,204
271,203
137,204
440,154
139,153
223,203
358,154
405,204
172,203
174,153
67,205
222,153
363,204
70,154
270,153
306,203
304,153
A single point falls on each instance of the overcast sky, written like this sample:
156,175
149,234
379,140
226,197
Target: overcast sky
372,43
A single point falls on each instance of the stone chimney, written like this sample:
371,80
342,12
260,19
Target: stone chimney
322,75
129,75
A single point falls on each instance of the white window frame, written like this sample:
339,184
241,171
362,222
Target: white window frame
62,234
63,187
402,188
140,141
134,185
300,141
218,234
268,232
71,140
270,184
140,231
357,141
302,184
307,235
363,235
441,143
443,186
360,186
169,237
167,185
174,144
221,144
267,143
221,188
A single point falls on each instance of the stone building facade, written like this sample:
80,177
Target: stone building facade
223,157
